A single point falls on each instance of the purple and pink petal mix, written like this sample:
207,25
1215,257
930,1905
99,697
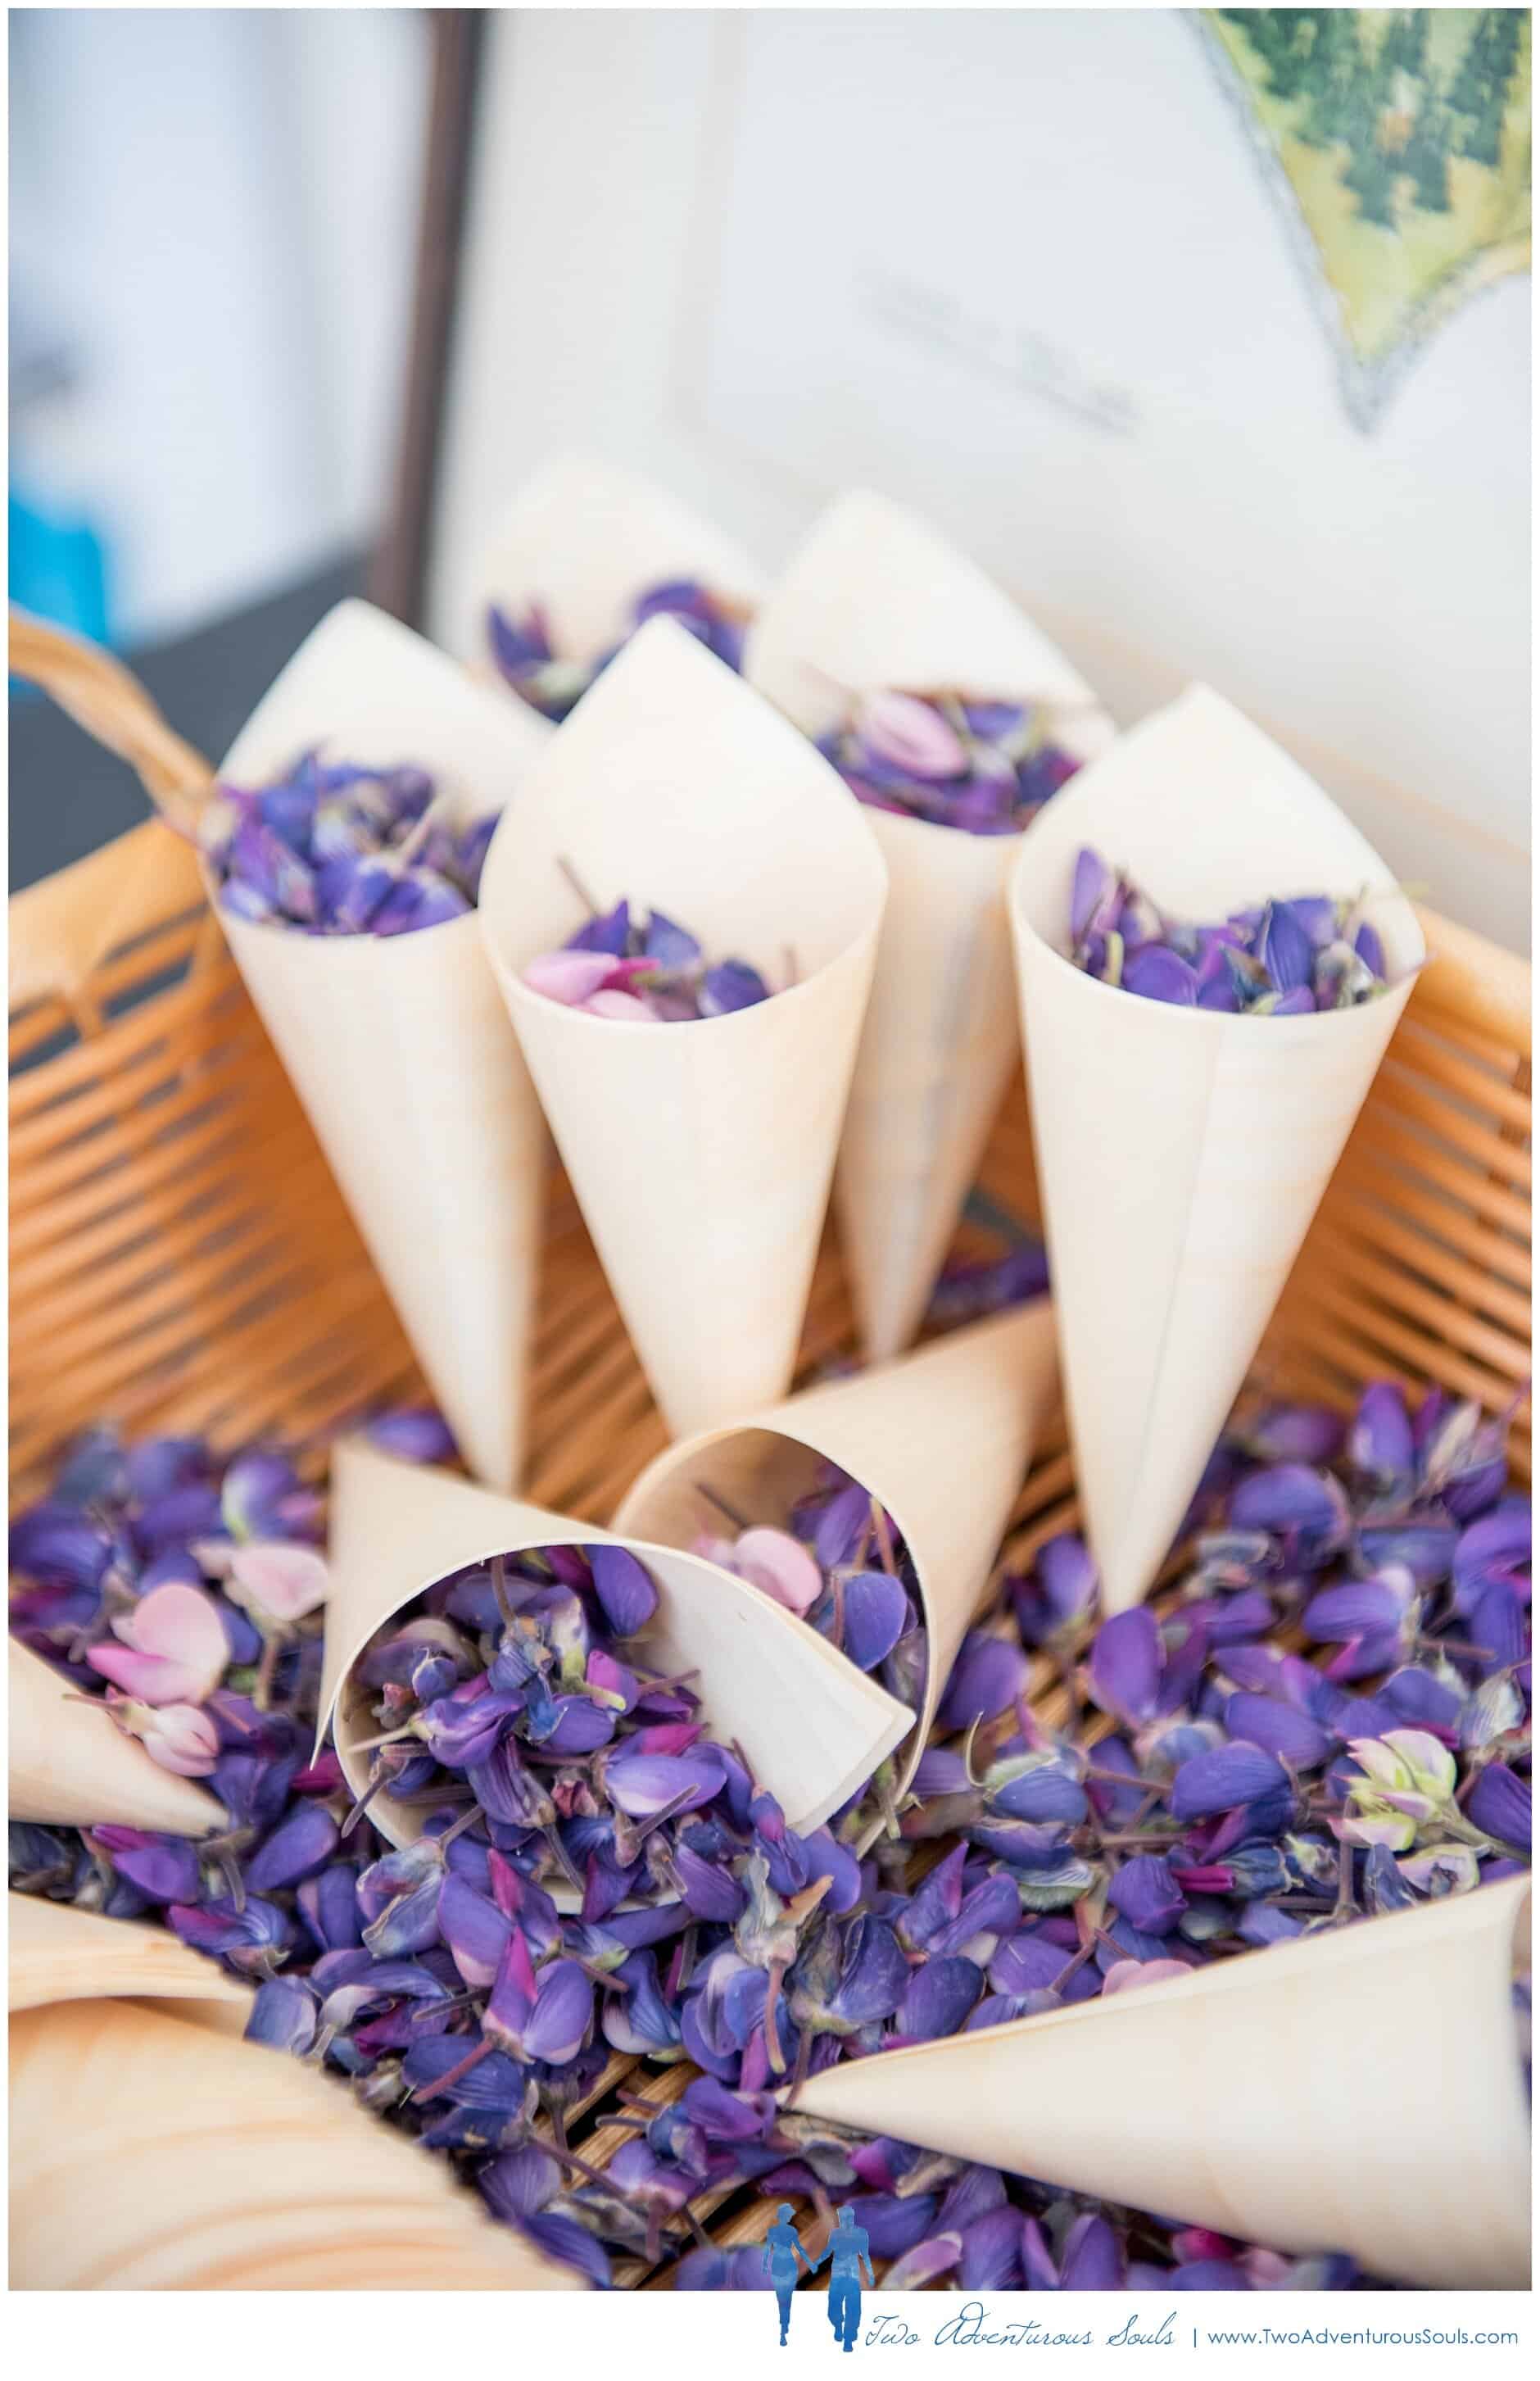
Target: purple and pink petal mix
1329,1719
333,848
521,649
1281,959
640,967
950,759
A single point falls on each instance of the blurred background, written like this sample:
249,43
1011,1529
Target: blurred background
1207,331
214,220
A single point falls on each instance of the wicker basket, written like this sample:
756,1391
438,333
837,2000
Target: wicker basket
181,1258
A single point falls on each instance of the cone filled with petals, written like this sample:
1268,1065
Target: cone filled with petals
700,1150
1182,1148
814,1728
396,1041
927,1454
953,718
584,555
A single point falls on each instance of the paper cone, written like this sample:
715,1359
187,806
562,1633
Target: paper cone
55,1953
584,540
1182,1154
73,1767
700,1154
941,1439
812,1728
874,600
399,1048
152,2156
1360,2092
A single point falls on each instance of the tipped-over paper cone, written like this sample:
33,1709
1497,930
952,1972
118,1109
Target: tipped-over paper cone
55,1953
812,1728
700,1154
1182,1154
874,600
942,1439
72,1766
1359,2091
152,2156
583,540
399,1047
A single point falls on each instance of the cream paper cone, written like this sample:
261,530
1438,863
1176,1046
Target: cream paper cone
941,1439
873,600
700,1152
584,538
399,1048
148,2155
1182,1154
55,1953
71,1766
812,1728
1360,2092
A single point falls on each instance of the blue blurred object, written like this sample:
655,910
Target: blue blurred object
58,568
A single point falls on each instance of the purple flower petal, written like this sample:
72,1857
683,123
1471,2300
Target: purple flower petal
938,1999
1500,1805
1279,1727
987,1677
1126,1660
730,985
1225,1780
1156,973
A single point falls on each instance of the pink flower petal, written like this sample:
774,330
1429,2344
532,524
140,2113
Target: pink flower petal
144,1675
286,1580
1129,1975
623,1006
569,976
779,1567
178,1736
173,1648
907,733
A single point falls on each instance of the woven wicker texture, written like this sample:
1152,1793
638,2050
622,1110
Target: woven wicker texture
181,1258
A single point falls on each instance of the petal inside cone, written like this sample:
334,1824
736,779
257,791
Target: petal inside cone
1182,1154
942,1439
700,1152
400,1048
813,1728
875,599
1285,2095
583,539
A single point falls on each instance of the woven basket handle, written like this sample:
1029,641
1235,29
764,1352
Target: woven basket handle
108,701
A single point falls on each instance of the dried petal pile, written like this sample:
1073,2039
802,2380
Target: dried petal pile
1214,1791
985,767
1286,958
521,648
333,848
643,968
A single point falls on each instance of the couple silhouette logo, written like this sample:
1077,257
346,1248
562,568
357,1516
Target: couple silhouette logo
849,2250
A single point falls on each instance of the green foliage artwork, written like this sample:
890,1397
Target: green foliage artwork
1399,141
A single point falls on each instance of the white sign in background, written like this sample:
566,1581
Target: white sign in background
1022,269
